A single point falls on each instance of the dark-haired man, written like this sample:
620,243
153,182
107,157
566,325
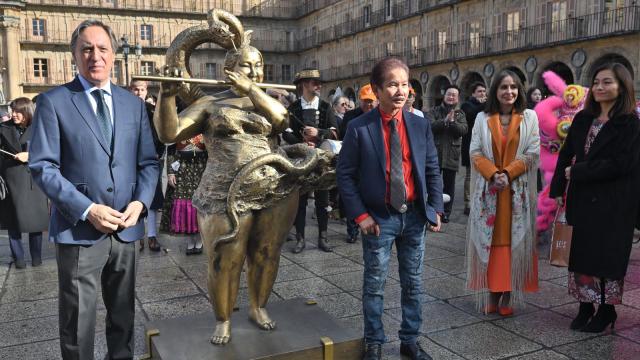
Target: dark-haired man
92,154
471,107
449,125
389,179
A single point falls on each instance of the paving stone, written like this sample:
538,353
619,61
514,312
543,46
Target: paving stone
391,351
631,298
429,272
468,305
445,287
391,325
28,310
310,255
632,333
549,295
451,265
165,275
150,263
167,309
547,271
603,347
100,346
28,331
542,355
332,266
293,272
25,278
437,315
305,288
434,252
544,327
43,350
483,341
164,291
46,290
340,305
350,250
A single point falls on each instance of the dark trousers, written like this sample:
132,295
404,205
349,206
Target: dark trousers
15,244
111,264
449,188
321,201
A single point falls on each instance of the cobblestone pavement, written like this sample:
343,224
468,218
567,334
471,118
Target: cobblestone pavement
172,284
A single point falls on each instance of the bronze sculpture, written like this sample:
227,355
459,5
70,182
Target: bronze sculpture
248,194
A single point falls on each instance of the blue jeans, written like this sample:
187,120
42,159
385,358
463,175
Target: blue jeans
407,231
15,244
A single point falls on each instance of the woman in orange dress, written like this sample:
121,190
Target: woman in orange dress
504,151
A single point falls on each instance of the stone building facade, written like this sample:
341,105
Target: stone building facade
443,41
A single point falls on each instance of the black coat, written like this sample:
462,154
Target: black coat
325,120
603,194
25,208
471,108
348,116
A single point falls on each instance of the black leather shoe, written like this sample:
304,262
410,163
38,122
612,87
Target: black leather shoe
19,264
606,315
467,211
299,245
36,262
445,219
323,243
414,352
584,315
154,245
372,352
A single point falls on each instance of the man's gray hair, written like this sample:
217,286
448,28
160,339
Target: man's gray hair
93,22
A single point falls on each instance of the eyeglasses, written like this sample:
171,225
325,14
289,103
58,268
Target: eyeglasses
344,104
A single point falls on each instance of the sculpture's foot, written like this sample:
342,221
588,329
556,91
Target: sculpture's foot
222,333
262,319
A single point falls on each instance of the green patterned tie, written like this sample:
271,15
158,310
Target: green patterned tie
104,117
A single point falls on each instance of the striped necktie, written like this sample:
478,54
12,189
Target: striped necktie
104,117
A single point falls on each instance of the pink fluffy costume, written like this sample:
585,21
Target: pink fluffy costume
555,115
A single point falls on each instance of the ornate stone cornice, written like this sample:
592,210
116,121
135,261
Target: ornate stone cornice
12,4
8,21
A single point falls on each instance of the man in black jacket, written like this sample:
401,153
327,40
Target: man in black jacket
311,121
471,108
368,102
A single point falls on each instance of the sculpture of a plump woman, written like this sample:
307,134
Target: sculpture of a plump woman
238,125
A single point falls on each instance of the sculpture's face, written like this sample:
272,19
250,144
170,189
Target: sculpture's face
250,64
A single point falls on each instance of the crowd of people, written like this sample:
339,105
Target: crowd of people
396,165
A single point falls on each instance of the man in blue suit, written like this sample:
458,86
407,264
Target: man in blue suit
389,179
92,153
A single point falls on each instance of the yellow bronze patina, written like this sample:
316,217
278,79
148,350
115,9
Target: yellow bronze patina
247,197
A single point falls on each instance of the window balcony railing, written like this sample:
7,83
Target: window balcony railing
592,26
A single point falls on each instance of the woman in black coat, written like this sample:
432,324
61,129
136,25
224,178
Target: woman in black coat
25,209
603,194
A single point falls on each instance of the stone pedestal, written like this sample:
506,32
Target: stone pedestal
303,332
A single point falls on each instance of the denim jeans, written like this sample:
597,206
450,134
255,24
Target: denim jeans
407,231
15,244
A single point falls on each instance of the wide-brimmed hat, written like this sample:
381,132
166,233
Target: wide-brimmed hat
307,74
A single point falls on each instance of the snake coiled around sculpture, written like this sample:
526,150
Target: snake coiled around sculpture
312,160
223,29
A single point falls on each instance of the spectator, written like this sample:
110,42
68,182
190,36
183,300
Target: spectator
534,96
339,106
368,102
25,208
504,150
600,160
409,104
139,89
448,125
471,107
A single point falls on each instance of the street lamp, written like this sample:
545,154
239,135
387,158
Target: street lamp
126,47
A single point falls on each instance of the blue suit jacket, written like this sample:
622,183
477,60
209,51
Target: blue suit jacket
72,163
362,167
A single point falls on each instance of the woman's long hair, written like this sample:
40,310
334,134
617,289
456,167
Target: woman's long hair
625,103
493,104
25,107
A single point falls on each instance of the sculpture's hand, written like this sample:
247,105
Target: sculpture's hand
240,81
170,88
